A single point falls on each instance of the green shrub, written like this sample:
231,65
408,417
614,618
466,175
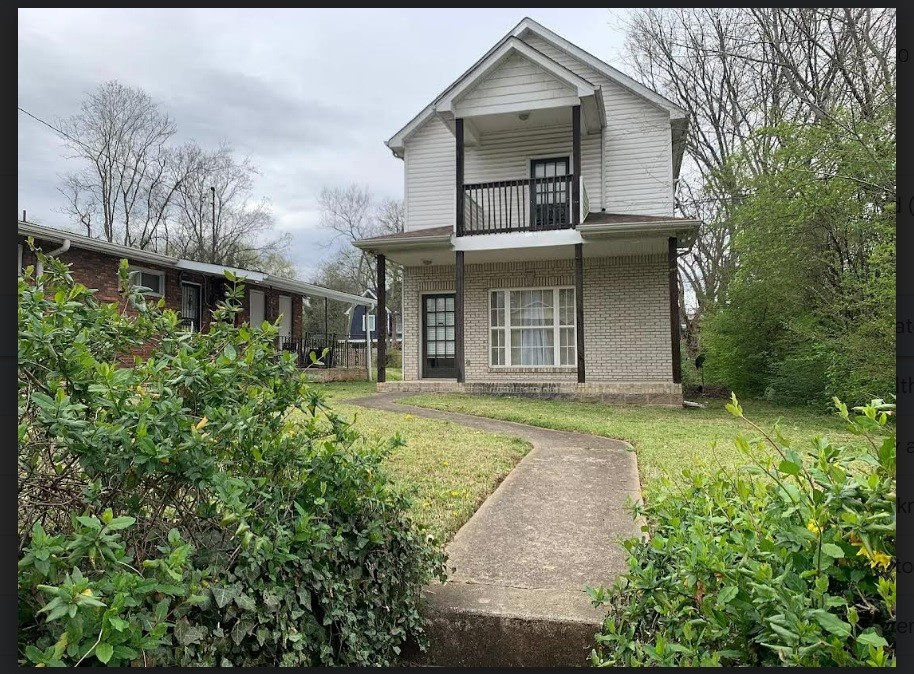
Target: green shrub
203,507
787,563
394,358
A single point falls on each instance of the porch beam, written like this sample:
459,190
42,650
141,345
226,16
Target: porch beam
458,316
458,132
576,169
380,320
673,264
579,309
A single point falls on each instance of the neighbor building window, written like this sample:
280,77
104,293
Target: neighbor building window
153,282
532,327
371,322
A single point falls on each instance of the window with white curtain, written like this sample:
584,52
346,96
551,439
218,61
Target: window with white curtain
533,327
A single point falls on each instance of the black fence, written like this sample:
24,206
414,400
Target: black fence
325,350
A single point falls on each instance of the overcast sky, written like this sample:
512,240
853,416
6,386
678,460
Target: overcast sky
310,95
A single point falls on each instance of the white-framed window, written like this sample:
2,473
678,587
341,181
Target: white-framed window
153,281
370,320
532,327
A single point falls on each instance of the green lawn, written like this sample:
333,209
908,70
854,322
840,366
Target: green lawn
451,469
666,440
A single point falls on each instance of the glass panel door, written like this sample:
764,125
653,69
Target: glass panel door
438,339
550,193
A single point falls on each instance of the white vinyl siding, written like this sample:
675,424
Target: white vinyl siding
506,155
636,146
430,177
637,143
532,327
515,81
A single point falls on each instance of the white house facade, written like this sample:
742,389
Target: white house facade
540,245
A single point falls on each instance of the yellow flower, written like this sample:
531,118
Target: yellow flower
876,558
201,423
87,592
445,464
882,559
814,528
454,492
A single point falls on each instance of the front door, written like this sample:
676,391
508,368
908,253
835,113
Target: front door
550,197
438,337
191,309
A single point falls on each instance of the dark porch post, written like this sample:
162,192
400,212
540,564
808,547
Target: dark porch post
579,308
672,260
381,320
326,320
458,132
576,169
458,317
458,266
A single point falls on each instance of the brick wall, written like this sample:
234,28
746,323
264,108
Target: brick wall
99,271
626,316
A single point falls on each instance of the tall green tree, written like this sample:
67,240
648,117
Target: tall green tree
810,312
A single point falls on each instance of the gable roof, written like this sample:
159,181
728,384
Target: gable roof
506,48
150,257
395,143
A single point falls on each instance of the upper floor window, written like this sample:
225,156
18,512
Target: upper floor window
532,327
153,282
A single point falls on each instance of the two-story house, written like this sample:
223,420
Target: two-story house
540,244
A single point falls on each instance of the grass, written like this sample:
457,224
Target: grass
666,440
450,469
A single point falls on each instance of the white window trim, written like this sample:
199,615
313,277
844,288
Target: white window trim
161,274
373,322
556,338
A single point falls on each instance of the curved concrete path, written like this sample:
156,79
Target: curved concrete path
552,528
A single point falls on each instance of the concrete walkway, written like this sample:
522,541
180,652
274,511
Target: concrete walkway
522,563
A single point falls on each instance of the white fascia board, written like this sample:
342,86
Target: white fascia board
403,244
688,228
559,237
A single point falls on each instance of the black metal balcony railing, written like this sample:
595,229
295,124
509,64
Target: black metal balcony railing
532,204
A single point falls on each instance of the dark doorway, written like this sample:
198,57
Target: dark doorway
438,332
191,309
550,196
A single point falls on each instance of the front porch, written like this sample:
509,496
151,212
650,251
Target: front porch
662,393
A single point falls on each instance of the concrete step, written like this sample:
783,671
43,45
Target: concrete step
473,625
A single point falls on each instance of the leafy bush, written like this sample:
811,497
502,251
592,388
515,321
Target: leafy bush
810,307
203,507
394,358
788,563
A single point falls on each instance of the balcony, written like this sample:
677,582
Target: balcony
525,205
